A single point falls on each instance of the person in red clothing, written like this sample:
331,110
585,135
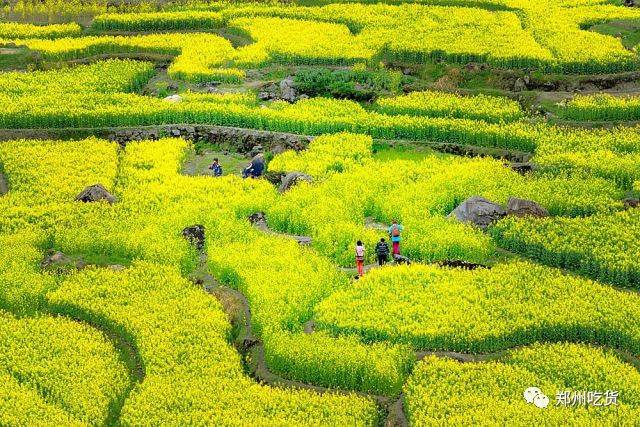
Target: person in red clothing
395,230
360,258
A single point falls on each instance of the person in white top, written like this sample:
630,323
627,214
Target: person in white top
360,258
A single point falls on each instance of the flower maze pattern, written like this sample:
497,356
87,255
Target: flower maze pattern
182,335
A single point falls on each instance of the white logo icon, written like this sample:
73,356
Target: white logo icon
536,396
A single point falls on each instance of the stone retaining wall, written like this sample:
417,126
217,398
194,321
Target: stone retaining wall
239,140
234,139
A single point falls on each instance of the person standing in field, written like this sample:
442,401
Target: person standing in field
395,230
360,257
382,252
216,168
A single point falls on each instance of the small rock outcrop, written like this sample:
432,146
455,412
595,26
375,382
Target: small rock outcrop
293,178
274,178
56,261
174,99
95,193
259,219
523,207
520,84
629,202
458,263
478,211
401,259
521,167
630,3
195,235
4,185
256,149
302,240
285,90
288,91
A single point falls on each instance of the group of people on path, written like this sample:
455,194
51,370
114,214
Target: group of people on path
382,248
254,169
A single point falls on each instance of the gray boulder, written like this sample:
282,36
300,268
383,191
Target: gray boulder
57,262
95,193
256,149
278,149
523,207
293,178
274,178
266,96
287,90
269,92
519,85
478,211
4,185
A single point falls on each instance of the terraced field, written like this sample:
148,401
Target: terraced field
138,288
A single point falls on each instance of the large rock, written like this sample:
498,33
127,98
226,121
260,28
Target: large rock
523,207
293,178
288,91
520,85
95,193
274,178
57,262
195,235
4,185
266,95
478,211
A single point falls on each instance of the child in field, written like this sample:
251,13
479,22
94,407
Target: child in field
216,168
360,258
382,252
395,230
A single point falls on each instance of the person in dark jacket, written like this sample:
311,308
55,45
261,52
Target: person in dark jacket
382,252
255,168
216,168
